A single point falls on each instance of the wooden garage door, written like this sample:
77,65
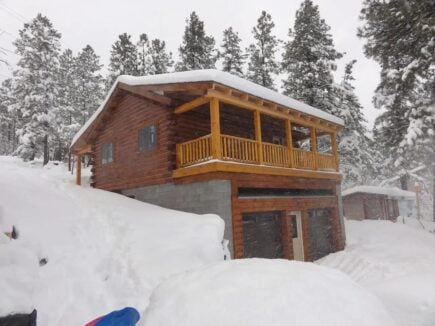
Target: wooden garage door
262,235
320,232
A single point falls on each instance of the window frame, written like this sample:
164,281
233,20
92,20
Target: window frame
105,160
155,140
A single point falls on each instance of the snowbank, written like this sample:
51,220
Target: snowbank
104,251
394,261
263,292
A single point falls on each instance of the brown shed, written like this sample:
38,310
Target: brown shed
374,203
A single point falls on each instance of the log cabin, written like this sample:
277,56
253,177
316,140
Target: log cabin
210,142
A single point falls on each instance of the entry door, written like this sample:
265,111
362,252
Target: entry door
298,241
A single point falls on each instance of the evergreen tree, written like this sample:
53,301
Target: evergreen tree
36,84
89,89
123,59
360,162
400,37
143,49
64,117
198,49
309,60
9,118
262,64
232,54
160,60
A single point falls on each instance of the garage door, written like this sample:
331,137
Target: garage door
262,235
320,233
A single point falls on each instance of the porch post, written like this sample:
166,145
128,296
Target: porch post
215,129
334,150
257,123
289,140
314,146
79,170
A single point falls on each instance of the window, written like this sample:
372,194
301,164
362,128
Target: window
324,142
301,137
147,138
107,153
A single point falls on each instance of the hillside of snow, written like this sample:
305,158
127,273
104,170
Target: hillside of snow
396,262
104,251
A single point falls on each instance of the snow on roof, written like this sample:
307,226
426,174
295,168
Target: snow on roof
217,76
388,191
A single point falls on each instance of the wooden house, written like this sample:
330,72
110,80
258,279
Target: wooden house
377,203
209,142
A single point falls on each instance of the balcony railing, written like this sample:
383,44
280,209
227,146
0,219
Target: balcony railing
248,151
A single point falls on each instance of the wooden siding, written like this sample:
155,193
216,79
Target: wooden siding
130,167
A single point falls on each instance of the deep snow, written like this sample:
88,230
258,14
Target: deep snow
104,250
258,292
395,261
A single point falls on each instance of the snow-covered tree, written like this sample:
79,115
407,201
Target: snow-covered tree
400,36
232,53
123,59
360,162
160,60
36,87
198,49
309,60
89,84
143,48
9,118
262,65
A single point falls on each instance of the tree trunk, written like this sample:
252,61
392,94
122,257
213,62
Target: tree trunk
46,154
69,161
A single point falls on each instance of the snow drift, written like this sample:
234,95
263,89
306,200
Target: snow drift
104,251
263,292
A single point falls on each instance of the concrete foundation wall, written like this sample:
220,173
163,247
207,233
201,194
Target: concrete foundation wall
208,197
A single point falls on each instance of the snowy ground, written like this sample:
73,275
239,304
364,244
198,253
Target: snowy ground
396,262
104,251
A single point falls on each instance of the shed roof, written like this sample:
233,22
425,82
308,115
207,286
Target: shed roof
392,192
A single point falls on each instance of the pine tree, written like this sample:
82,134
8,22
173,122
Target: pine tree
143,49
309,59
160,60
64,117
123,59
89,84
36,84
232,54
400,37
360,162
9,118
262,64
198,49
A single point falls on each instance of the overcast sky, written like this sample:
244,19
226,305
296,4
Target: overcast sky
99,22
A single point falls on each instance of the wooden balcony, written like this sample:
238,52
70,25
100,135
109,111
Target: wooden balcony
247,151
297,154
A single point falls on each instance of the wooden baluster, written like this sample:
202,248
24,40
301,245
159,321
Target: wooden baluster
314,147
335,151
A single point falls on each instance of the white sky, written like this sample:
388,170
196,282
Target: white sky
99,22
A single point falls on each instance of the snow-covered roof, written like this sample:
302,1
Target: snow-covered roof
388,191
212,75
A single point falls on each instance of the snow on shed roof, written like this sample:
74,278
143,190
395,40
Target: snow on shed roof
217,76
388,191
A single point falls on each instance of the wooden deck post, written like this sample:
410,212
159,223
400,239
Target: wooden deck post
215,129
314,147
258,137
79,170
289,140
335,151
